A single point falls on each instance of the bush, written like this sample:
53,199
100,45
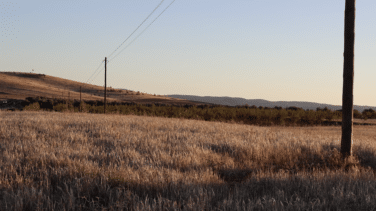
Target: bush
32,107
60,107
369,114
83,107
357,114
48,105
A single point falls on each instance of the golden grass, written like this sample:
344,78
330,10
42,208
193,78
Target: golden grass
70,161
22,85
19,85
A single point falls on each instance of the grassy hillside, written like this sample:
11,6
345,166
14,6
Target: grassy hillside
15,85
79,161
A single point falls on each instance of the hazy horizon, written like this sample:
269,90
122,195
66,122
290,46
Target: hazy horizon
271,50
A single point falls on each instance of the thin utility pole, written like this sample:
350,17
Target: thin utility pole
348,79
80,100
105,83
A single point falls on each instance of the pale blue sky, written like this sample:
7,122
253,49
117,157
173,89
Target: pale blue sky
275,50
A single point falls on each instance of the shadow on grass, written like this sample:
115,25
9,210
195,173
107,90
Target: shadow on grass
80,192
307,160
280,188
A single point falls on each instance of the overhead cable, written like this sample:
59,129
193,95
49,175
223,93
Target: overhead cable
95,71
137,28
144,30
96,75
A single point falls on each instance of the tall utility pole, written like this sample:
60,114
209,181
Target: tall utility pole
348,79
105,82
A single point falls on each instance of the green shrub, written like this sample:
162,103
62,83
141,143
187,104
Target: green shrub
32,107
357,114
61,107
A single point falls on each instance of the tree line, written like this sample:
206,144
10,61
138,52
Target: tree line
253,115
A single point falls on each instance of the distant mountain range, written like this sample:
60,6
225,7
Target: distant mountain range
232,101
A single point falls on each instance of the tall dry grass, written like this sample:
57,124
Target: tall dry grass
70,161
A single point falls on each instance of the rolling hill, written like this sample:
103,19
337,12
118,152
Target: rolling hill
230,101
17,86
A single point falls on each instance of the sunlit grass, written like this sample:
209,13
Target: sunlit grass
67,161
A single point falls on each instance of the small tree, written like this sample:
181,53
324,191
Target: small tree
357,114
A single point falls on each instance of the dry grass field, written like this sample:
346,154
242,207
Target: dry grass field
70,161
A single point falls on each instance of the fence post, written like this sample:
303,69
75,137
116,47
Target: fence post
105,83
80,100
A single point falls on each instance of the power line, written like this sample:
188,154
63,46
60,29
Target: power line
124,41
96,75
137,28
144,30
94,72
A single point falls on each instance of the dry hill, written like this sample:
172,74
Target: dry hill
17,85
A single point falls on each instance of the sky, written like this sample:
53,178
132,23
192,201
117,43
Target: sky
274,50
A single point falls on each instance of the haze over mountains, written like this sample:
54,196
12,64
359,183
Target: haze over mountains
231,101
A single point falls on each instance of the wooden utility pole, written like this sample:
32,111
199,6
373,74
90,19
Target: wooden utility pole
348,79
80,100
105,83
